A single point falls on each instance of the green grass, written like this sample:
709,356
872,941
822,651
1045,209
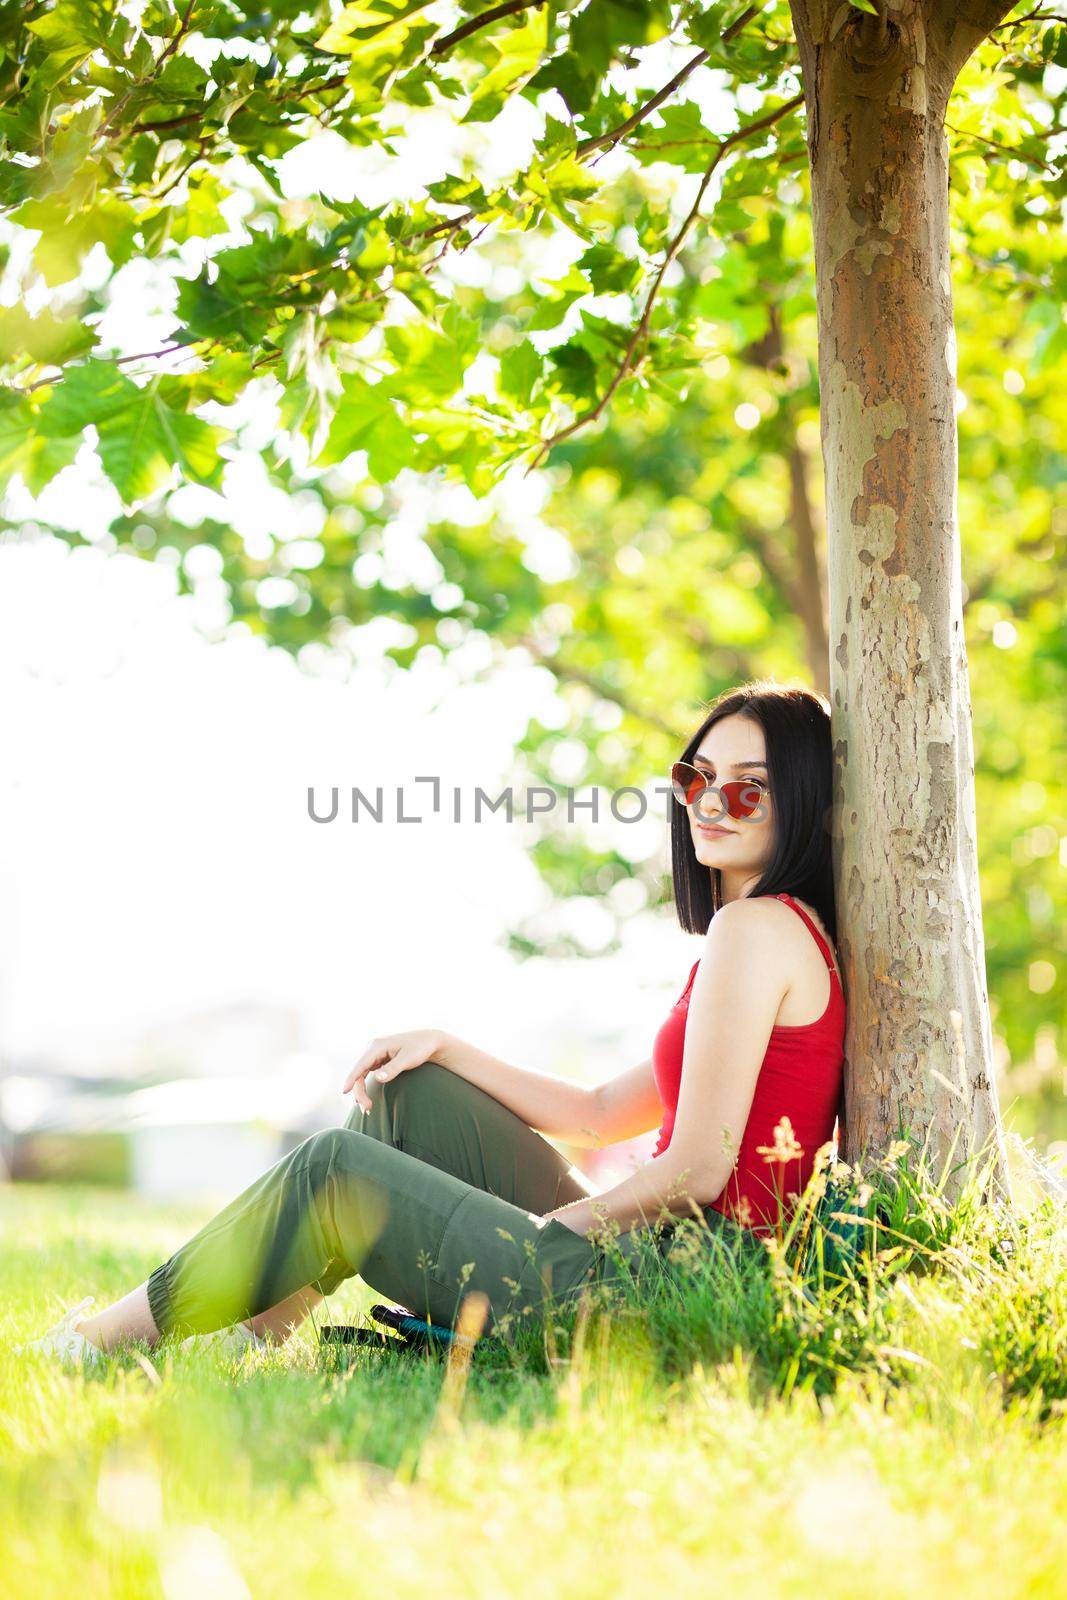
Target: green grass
893,1432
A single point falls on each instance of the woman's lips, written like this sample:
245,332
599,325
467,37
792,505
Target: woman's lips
711,829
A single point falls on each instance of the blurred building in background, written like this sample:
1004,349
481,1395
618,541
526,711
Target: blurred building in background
193,1110
198,1108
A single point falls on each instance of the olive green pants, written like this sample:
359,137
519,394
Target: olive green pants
437,1191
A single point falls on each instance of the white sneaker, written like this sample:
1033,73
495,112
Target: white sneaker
64,1340
227,1341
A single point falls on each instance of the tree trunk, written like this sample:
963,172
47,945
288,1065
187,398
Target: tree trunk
799,576
811,567
919,1047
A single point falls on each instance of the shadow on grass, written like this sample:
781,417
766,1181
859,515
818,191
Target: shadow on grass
879,1277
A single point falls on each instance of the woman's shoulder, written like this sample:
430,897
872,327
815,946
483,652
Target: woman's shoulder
817,924
742,941
781,906
749,909
756,927
748,919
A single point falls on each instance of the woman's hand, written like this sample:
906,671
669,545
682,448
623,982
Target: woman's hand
573,1216
393,1053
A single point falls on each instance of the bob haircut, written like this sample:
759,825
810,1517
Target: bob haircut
796,729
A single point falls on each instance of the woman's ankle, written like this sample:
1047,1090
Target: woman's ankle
128,1321
89,1332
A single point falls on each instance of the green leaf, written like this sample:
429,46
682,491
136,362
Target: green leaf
575,371
141,439
88,394
16,432
567,74
70,31
434,363
518,53
223,311
551,309
45,339
728,217
66,239
366,419
371,31
140,447
223,379
683,139
26,451
520,371
45,459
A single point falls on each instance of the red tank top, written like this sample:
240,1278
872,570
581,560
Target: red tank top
800,1078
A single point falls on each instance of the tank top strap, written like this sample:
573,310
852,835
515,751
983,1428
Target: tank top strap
819,940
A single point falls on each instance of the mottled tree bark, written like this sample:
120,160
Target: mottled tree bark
919,1046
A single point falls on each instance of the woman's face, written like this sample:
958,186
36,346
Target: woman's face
733,749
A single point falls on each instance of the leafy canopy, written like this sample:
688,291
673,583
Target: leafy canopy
609,274
160,135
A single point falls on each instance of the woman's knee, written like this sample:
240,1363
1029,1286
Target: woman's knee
429,1078
322,1149
424,1085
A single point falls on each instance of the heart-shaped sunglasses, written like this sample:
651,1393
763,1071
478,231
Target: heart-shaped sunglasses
740,797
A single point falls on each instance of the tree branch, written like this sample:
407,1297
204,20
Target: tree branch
602,141
450,226
959,28
164,56
1005,149
567,672
185,118
1031,16
474,24
115,361
641,330
169,122
799,575
734,663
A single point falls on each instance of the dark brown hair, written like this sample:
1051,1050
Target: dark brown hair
796,728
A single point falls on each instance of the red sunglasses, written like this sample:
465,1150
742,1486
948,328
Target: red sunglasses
741,797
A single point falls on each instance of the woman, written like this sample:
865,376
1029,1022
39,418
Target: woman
439,1184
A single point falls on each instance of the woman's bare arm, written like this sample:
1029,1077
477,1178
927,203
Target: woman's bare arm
585,1115
740,984
627,1105
564,1110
